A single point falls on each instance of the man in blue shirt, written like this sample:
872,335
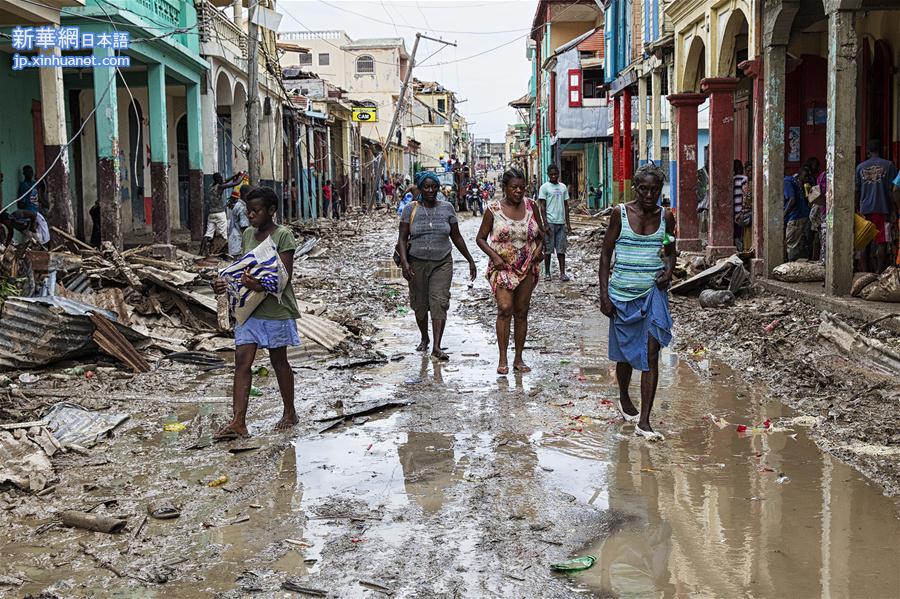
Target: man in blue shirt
29,190
796,219
874,200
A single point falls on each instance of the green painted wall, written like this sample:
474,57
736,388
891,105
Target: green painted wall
16,133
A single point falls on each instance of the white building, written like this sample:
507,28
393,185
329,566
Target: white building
370,71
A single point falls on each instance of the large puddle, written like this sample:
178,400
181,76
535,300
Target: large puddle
716,513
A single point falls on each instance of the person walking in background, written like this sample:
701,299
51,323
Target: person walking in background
427,229
512,236
554,200
874,200
634,292
326,199
216,220
237,222
740,183
410,196
796,218
745,218
703,196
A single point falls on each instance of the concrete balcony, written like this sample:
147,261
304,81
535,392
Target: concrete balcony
220,37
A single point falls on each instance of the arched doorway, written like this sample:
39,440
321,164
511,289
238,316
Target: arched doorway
732,52
136,144
694,66
224,102
181,147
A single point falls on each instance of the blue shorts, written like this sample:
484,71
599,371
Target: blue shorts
266,334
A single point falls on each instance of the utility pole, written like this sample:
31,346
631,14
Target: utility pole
381,159
253,95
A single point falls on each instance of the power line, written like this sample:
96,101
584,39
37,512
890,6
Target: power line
428,27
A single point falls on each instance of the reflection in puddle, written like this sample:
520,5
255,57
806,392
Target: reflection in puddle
711,514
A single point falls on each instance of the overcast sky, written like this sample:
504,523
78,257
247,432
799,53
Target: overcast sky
489,82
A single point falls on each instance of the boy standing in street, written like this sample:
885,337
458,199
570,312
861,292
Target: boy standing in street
554,201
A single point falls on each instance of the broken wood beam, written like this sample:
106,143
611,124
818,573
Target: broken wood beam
111,341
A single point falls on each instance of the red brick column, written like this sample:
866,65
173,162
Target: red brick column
617,149
627,146
721,164
754,68
686,166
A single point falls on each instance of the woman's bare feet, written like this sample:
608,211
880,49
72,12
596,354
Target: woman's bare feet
424,345
232,430
441,355
521,367
287,421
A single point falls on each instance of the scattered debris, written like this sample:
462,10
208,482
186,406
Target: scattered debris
72,423
716,298
727,273
855,344
88,521
575,564
299,587
800,271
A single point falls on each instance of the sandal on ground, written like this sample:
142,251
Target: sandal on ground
503,370
648,435
564,278
625,416
521,368
423,346
441,356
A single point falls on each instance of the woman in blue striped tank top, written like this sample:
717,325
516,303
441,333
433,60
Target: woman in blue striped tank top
635,273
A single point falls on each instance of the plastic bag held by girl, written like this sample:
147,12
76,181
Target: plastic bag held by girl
263,264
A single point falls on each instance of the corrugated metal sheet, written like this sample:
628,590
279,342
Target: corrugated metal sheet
326,333
35,331
72,423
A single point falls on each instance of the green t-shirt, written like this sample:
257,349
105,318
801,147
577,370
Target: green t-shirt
269,308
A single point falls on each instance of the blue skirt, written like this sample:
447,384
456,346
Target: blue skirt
266,334
635,321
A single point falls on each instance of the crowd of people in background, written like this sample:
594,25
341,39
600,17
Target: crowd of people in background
877,205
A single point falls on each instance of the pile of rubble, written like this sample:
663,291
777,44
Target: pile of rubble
75,301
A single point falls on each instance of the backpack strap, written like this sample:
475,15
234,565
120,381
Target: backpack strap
412,214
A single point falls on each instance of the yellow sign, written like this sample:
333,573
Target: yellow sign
365,115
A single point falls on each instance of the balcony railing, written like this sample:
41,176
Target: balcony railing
219,36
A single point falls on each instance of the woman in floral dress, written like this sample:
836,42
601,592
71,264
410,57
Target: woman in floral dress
512,236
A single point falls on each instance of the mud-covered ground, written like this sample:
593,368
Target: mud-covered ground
482,482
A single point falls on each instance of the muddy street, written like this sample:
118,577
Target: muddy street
471,486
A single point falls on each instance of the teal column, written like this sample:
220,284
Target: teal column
159,159
195,161
107,127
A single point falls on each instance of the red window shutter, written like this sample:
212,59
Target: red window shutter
574,85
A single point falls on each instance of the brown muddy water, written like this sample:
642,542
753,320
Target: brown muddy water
399,497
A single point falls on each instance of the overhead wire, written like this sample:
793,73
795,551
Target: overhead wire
424,18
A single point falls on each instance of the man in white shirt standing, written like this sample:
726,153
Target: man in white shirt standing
554,200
